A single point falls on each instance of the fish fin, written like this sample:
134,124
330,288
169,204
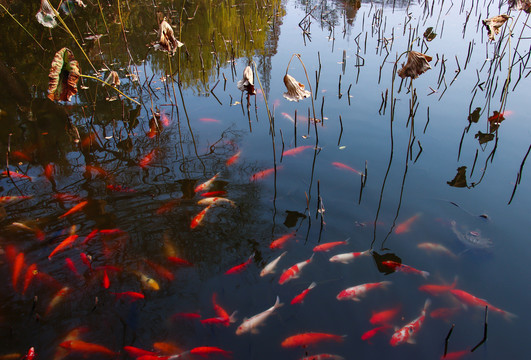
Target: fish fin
356,299
384,284
277,304
452,286
312,285
425,274
311,257
411,340
509,316
427,303
232,317
346,241
254,330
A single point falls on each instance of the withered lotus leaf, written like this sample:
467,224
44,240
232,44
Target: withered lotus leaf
113,79
247,82
63,76
417,64
295,89
167,41
46,15
524,5
493,25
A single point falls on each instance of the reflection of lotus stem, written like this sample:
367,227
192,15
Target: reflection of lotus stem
22,26
265,97
106,83
73,37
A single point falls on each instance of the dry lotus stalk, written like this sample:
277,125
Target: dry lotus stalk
46,15
417,64
493,25
63,76
524,5
296,90
247,82
167,41
113,79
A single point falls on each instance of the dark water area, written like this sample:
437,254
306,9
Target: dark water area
429,173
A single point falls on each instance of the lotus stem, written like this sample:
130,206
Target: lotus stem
106,83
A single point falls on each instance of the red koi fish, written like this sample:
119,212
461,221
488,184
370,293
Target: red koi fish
75,209
405,268
166,348
30,355
436,290
19,155
49,171
323,357
404,227
456,355
178,261
297,150
264,173
371,333
30,274
210,350
294,271
137,352
161,270
187,316
232,160
311,338
146,160
90,236
16,175
281,241
469,299
86,348
444,312
168,206
288,116
196,221
130,295
300,298
106,281
346,167
71,266
214,193
355,292
215,321
87,260
206,185
209,120
329,246
408,331
66,243
66,197
10,199
97,169
239,268
17,269
384,316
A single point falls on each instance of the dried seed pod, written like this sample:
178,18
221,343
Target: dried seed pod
295,89
247,82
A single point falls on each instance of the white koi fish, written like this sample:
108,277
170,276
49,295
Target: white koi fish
206,185
250,325
216,201
270,268
355,292
294,271
348,257
406,333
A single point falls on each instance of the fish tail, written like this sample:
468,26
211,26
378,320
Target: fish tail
452,286
312,285
427,304
232,317
509,316
425,274
385,284
277,304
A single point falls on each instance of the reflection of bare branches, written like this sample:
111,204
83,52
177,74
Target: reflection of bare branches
519,175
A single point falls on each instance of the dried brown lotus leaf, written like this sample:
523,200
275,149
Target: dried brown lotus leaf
46,15
167,41
113,79
493,25
295,89
417,64
524,5
63,76
247,82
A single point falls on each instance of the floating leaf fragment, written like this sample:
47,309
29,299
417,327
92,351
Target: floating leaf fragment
460,178
417,64
63,76
484,138
474,116
295,89
46,15
493,25
429,35
167,41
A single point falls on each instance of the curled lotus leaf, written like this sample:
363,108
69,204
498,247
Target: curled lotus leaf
295,89
493,25
417,64
63,76
524,5
46,15
247,82
167,41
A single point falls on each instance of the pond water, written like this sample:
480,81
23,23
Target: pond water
428,173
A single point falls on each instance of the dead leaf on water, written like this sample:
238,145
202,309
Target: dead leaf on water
429,35
524,5
493,25
417,64
46,16
460,178
484,138
295,89
167,41
63,76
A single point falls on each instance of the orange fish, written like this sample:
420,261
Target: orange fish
167,206
217,308
20,155
136,352
384,316
106,281
209,120
329,246
178,261
346,167
66,243
300,298
196,221
209,350
263,174
146,160
206,185
90,236
9,199
187,316
96,169
66,197
311,338
455,355
87,260
296,150
49,171
17,268
71,266
30,274
164,119
86,348
437,290
56,299
444,312
161,270
371,333
167,348
239,268
233,159
404,227
16,175
76,208
281,241
214,193
405,268
469,299
294,271
131,295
